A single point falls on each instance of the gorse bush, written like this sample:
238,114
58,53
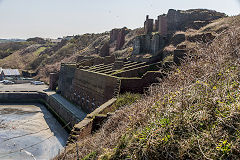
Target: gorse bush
193,113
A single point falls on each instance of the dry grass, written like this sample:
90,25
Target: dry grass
20,59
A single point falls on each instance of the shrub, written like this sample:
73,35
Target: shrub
126,99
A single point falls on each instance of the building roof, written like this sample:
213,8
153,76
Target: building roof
11,72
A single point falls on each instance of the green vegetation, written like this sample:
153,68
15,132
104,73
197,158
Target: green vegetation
38,51
90,156
37,61
126,99
7,49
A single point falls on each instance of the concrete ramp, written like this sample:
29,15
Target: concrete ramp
78,112
70,113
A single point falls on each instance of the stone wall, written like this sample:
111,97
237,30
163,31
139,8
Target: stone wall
133,85
201,37
90,89
20,97
92,122
162,26
61,112
138,85
104,50
114,34
118,36
98,60
53,81
150,43
148,25
177,38
137,72
121,38
66,115
66,76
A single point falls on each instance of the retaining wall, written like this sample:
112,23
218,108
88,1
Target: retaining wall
92,88
65,116
137,85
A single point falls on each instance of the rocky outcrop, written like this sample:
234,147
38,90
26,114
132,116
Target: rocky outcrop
178,20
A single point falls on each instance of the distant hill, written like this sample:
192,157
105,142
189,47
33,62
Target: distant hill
11,40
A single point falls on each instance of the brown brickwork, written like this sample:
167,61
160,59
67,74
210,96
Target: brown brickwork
90,89
148,25
156,26
162,20
53,82
121,39
114,34
104,51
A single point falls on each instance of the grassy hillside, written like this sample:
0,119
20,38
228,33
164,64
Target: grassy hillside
194,112
8,48
21,58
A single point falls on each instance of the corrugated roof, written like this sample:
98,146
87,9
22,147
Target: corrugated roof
11,72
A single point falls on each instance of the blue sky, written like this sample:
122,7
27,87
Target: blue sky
57,18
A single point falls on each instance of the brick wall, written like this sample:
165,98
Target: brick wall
91,89
98,60
53,82
148,25
162,20
66,75
138,85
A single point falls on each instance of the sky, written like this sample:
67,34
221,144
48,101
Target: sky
58,18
